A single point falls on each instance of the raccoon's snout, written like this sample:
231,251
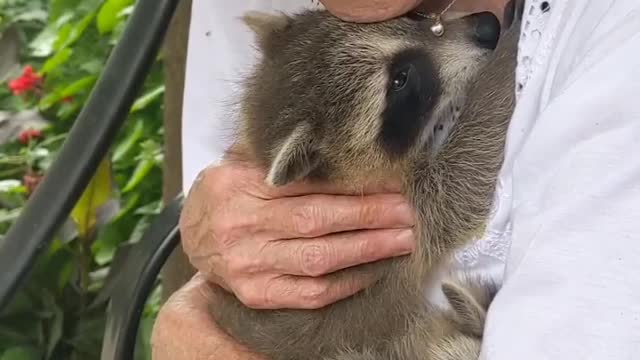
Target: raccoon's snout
486,29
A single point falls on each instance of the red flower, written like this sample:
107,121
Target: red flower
30,134
28,81
31,182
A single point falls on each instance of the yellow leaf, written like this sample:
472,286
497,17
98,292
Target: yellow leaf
96,194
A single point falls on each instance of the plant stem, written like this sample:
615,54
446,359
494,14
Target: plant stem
84,266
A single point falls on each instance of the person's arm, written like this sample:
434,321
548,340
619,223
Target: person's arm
233,228
572,289
184,329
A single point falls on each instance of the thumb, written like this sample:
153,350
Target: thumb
185,330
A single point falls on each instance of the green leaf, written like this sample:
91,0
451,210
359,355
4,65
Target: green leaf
129,142
56,60
66,111
152,208
126,11
139,230
98,279
72,89
141,171
146,99
32,15
58,8
22,303
93,66
65,275
8,216
49,100
107,241
133,200
83,84
96,194
75,32
55,334
42,45
63,35
88,335
9,184
21,353
108,17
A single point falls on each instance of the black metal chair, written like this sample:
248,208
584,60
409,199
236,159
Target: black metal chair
145,261
88,143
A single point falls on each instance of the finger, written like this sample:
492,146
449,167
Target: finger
317,215
212,277
194,297
369,11
294,292
251,179
307,186
320,256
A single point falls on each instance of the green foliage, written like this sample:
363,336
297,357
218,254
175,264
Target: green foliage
60,313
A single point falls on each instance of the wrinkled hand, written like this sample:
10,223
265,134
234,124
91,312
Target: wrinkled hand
272,246
184,329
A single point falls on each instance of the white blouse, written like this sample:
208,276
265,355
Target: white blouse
563,236
571,188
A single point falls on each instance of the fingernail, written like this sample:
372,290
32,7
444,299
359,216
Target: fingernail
405,214
406,240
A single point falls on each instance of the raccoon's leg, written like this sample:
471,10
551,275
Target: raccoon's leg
440,334
452,190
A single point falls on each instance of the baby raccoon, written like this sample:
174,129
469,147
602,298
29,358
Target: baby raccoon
358,103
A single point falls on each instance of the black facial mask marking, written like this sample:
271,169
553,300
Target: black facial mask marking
413,90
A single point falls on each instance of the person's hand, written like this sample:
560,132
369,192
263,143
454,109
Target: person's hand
271,246
369,10
379,10
184,329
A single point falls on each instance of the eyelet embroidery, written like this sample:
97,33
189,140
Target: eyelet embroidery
535,20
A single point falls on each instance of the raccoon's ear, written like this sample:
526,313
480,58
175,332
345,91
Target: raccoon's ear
295,158
264,24
468,311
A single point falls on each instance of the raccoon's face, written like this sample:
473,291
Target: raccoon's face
351,102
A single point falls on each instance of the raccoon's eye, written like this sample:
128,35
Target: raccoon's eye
400,79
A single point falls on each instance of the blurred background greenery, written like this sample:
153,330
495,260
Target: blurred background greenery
51,53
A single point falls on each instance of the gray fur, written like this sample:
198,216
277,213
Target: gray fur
312,110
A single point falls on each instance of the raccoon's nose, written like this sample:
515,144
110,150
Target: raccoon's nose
486,29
